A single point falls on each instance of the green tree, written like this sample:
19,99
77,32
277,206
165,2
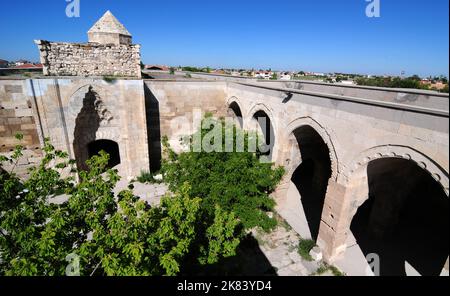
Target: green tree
415,77
30,242
111,235
236,181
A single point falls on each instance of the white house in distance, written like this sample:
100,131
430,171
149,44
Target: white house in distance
263,74
285,76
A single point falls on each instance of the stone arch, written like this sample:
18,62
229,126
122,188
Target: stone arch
109,146
355,178
272,135
235,110
238,102
291,143
89,119
108,134
311,163
260,107
359,163
397,201
354,181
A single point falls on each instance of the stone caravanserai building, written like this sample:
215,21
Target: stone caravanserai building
367,168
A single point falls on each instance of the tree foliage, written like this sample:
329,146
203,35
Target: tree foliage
236,181
106,234
395,82
93,231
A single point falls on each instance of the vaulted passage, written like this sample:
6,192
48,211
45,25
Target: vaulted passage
312,175
405,220
262,122
110,147
235,112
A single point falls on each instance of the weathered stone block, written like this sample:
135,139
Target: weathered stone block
13,89
316,254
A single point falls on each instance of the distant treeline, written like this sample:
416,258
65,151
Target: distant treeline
396,82
195,69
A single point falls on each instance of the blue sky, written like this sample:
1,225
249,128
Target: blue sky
312,35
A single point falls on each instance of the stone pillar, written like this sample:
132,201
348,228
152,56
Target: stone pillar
288,156
341,204
280,193
333,231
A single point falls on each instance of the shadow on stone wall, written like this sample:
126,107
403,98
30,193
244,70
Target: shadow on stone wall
312,175
153,129
86,126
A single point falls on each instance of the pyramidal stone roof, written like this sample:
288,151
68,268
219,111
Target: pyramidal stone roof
108,23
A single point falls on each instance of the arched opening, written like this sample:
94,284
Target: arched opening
235,112
264,126
310,180
110,147
405,220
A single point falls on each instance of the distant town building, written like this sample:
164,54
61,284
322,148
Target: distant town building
29,66
438,85
263,74
4,64
285,76
21,63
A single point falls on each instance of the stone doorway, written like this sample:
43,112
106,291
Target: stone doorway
108,146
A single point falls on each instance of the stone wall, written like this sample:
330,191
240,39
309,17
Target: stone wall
17,116
356,133
171,105
411,97
118,109
136,114
91,59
